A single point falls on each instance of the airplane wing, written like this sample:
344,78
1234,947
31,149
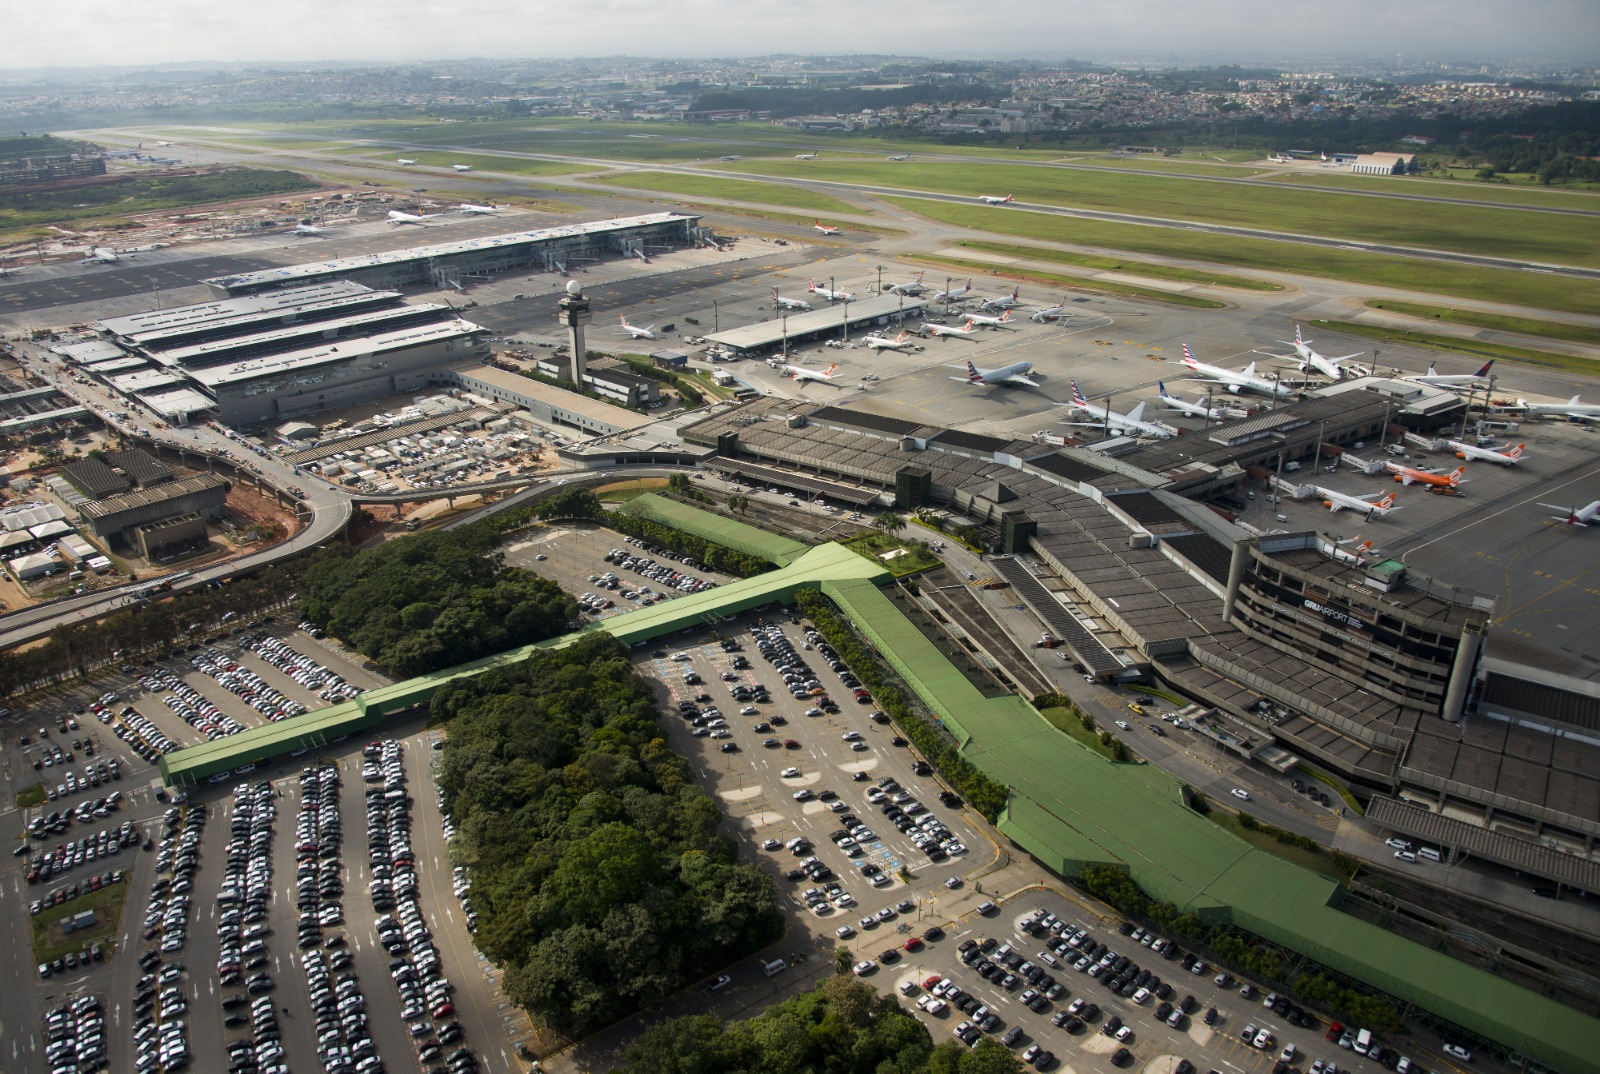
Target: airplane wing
1026,382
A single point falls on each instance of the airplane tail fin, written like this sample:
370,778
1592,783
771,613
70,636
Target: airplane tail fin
1137,413
1006,316
1162,386
973,376
811,285
1455,475
1516,452
1387,501
1432,372
1297,336
1188,356
1484,372
1077,393
1008,198
1574,401
829,371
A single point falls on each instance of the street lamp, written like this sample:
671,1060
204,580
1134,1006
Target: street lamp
786,335
716,317
880,279
846,334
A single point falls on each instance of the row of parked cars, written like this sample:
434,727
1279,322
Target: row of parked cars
105,843
328,685
160,1005
75,1036
648,567
415,965
242,929
197,712
256,691
142,736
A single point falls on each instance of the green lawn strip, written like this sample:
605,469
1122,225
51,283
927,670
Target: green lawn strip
624,491
31,796
1527,326
1566,363
787,218
1338,788
710,186
708,384
1112,264
1506,286
81,206
1077,283
1495,231
1461,189
49,943
1197,166
873,545
1315,860
1067,722
483,162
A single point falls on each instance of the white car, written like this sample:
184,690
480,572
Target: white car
789,773
1241,794
1456,1051
861,969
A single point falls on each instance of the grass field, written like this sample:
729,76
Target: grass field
1076,283
1115,264
1534,290
1576,333
710,186
513,165
1066,721
1495,231
873,545
50,943
1189,165
1456,190
1315,860
1566,363
28,797
623,491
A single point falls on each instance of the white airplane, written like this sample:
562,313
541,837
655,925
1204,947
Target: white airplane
1374,504
1473,451
1050,313
1131,422
789,303
1408,475
953,296
910,288
902,156
937,330
1309,361
730,157
801,374
1354,555
805,156
831,296
884,343
9,271
1235,382
310,229
99,255
462,167
1462,380
1015,373
639,333
166,145
975,319
479,210
1576,516
1572,409
1005,302
404,161
396,218
1199,410
1279,158
990,199
825,229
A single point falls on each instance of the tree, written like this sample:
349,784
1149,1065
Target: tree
889,523
842,959
990,1057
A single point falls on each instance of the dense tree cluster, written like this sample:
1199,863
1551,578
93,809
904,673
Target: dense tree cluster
689,391
432,600
785,101
601,879
571,501
935,745
709,554
841,1027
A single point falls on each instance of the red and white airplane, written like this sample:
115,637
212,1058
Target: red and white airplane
975,319
824,228
1015,373
1472,451
990,199
1576,516
1354,555
1005,302
802,374
396,218
639,333
953,296
831,296
1338,501
937,330
1410,474
884,343
789,303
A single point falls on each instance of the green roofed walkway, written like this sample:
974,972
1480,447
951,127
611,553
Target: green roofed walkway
739,536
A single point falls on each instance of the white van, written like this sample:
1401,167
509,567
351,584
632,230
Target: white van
776,966
1430,853
1364,1041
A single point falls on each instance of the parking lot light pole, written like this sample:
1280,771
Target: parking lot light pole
716,317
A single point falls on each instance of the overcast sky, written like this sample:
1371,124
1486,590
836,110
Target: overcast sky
136,32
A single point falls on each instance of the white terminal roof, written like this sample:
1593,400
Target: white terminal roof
30,515
289,273
560,398
117,365
144,380
771,333
147,329
198,352
336,351
97,350
176,404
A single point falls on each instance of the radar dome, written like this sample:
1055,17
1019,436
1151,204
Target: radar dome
574,287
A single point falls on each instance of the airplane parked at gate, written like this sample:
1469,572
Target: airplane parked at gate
99,255
883,343
1199,410
1372,503
831,296
1005,302
1410,474
396,217
989,199
1131,423
825,228
462,167
1050,313
953,296
1572,410
938,330
1309,361
1015,373
305,227
639,333
801,374
1472,451
910,289
1457,380
789,303
1245,380
1576,516
479,210
975,319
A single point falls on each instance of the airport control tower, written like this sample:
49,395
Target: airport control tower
575,314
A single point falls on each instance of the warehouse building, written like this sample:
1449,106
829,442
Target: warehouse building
445,265
114,518
606,379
